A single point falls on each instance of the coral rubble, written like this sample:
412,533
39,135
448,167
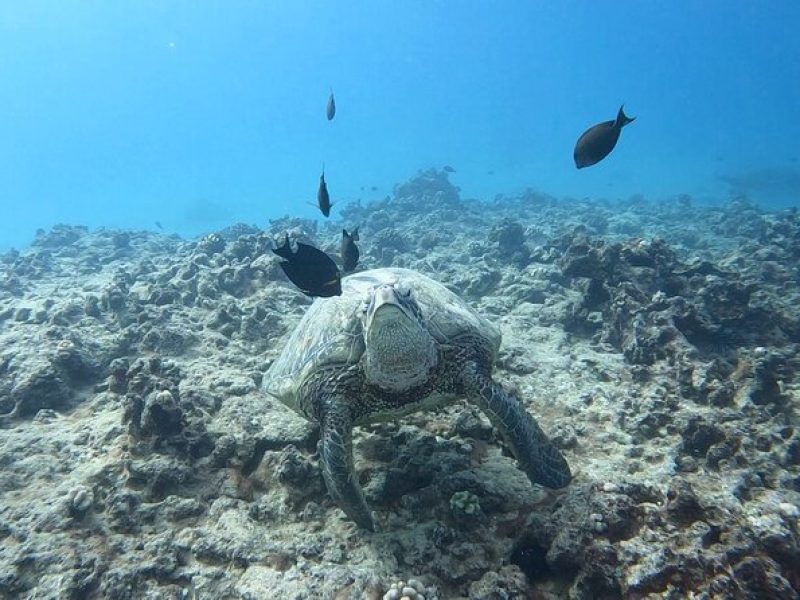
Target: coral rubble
656,342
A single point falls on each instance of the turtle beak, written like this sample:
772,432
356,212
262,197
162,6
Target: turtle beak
384,297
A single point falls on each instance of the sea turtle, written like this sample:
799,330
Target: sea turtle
395,342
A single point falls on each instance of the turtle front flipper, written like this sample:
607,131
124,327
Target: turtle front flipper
537,455
336,453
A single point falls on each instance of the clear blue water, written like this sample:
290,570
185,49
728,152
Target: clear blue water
201,114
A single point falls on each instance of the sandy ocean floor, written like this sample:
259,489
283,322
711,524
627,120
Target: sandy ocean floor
657,343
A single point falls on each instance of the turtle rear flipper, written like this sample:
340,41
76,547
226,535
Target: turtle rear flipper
537,455
336,454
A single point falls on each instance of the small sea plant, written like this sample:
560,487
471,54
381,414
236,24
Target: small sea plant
465,503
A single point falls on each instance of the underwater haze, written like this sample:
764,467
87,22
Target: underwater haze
516,316
201,114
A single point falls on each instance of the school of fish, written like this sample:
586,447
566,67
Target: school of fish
315,273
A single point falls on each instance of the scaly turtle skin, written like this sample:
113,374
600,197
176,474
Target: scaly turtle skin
395,342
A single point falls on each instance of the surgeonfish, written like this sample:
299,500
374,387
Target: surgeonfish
598,141
323,198
349,251
330,109
310,269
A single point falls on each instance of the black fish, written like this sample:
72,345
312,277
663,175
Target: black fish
597,142
310,269
448,169
330,110
349,251
159,225
323,198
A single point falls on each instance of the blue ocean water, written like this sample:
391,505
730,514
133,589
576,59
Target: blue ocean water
201,114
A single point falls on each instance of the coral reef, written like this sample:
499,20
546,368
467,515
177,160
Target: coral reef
656,342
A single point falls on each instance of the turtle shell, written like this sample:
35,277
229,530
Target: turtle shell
331,333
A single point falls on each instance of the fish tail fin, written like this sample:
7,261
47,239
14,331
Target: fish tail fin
622,118
354,234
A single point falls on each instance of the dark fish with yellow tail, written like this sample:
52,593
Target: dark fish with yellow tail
597,142
349,250
323,198
330,109
310,269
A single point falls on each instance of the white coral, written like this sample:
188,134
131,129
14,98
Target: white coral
413,589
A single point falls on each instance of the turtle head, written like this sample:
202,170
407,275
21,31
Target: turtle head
400,352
